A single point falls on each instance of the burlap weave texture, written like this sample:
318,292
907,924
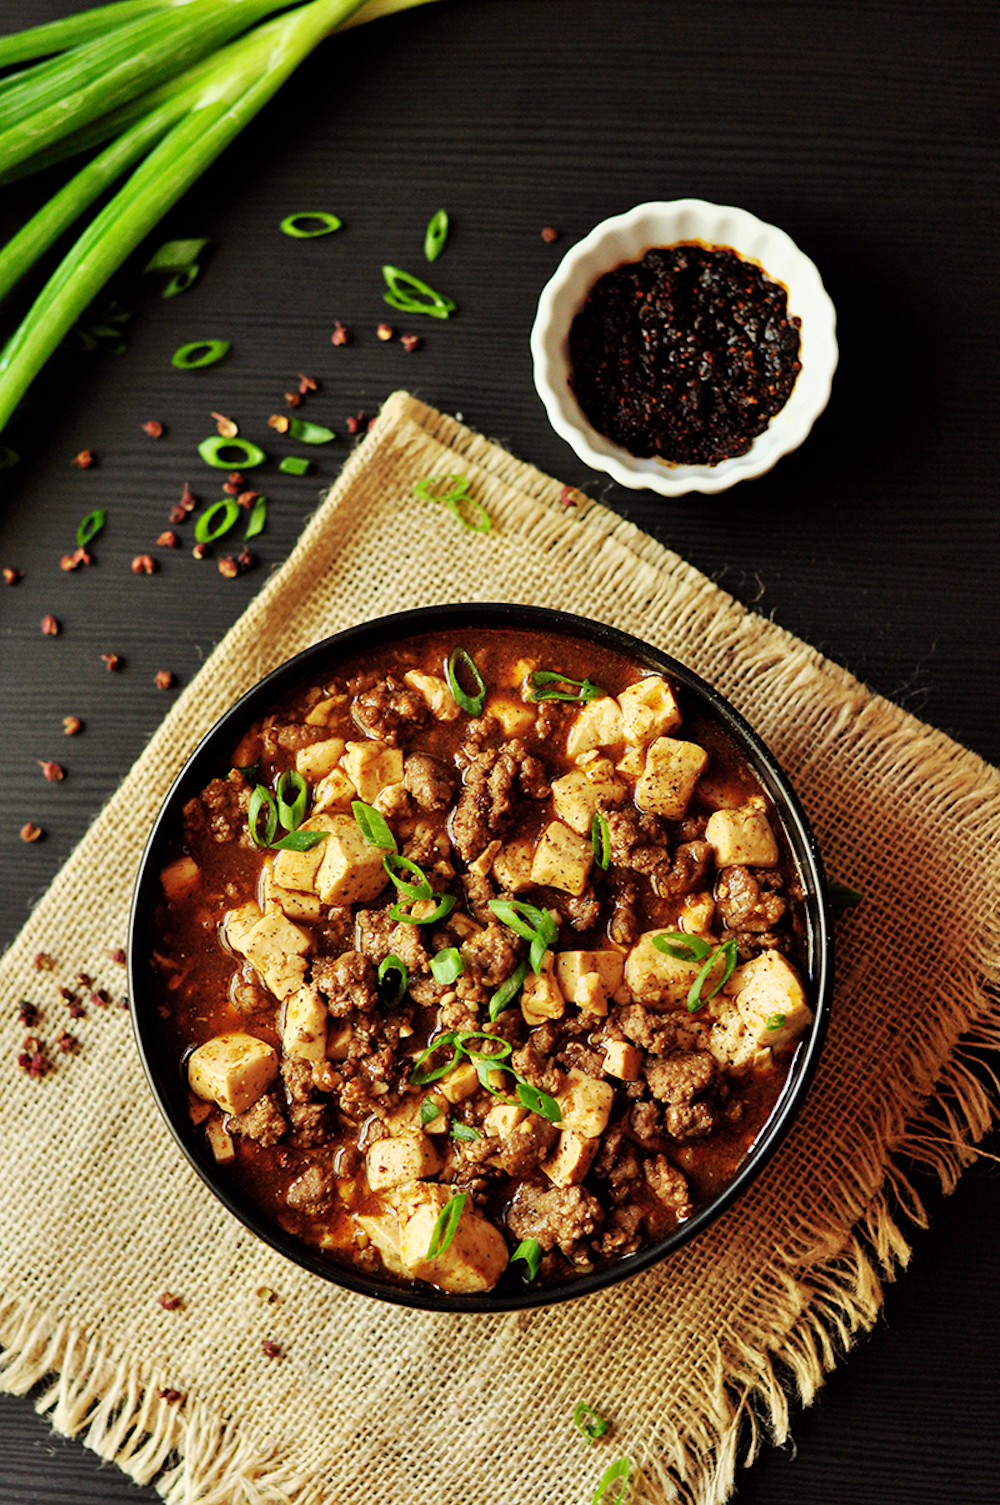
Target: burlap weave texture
99,1214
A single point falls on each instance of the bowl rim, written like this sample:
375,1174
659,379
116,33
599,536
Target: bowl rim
166,1083
626,237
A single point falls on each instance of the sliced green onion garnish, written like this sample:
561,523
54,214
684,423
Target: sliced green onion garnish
293,797
309,433
447,965
530,1250
519,916
545,936
175,255
429,1110
441,910
507,992
444,1229
300,841
464,1131
619,1471
600,840
373,825
696,998
503,1047
90,527
587,1420
257,518
540,1102
200,353
392,992
8,457
459,500
217,520
181,281
543,684
421,1078
472,704
294,465
484,1069
213,452
421,889
843,898
683,947
437,234
776,1021
262,799
413,296
308,223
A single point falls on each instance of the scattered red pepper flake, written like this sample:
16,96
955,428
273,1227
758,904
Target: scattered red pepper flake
66,993
72,725
228,567
54,772
144,564
279,421
168,540
227,427
67,1043
11,577
117,955
99,998
154,428
76,1009
83,979
293,399
50,627
385,331
170,1302
73,561
340,335
550,234
112,662
44,962
568,497
200,550
245,559
307,384
186,504
31,832
84,459
28,1013
271,1350
410,342
232,488
355,423
171,1396
163,679
32,1059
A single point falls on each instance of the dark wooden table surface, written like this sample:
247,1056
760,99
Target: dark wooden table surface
869,133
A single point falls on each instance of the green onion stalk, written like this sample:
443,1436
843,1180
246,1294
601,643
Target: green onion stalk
169,83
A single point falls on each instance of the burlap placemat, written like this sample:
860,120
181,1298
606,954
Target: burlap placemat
99,1214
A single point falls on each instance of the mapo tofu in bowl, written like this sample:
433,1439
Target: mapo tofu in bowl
479,957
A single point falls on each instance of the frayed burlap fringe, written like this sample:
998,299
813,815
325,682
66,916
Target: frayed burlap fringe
720,1363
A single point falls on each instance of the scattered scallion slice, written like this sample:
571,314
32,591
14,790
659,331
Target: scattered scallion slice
436,236
617,1474
683,947
300,841
373,826
462,505
429,1111
530,1251
309,433
441,910
529,922
408,293
294,465
421,1078
262,800
775,1021
502,1049
217,520
257,518
544,684
447,1221
394,865
537,1101
181,281
507,992
464,1131
471,704
589,1422
545,936
446,965
600,840
309,223
90,527
843,898
200,353
391,992
217,451
696,998
175,255
293,796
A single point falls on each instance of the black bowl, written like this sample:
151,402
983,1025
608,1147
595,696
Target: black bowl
211,757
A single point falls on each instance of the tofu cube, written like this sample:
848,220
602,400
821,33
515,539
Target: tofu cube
320,713
220,1142
514,716
393,1162
335,792
696,913
572,1158
372,765
383,1230
667,782
303,1025
577,796
504,1118
297,870
562,859
180,878
350,871
275,948
408,1118
473,1261
437,692
460,1083
742,836
771,1000
292,903
319,758
649,709
598,723
541,995
232,1070
622,1059
653,976
585,1103
512,865
588,978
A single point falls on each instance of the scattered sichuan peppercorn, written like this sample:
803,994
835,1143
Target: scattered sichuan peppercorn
355,423
170,1302
44,962
293,399
153,428
123,1002
246,499
112,662
84,459
163,679
279,421
385,331
99,998
307,384
410,342
143,564
227,427
186,504
228,567
340,335
550,234
67,994
67,1043
27,1013
31,832
72,725
171,1396
33,1062
168,540
568,497
117,955
73,561
11,577
75,1009
54,772
50,627
199,551
271,1350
